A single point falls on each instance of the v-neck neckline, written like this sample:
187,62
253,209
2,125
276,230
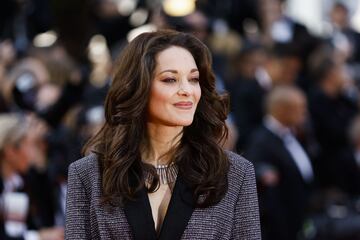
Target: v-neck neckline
179,211
162,208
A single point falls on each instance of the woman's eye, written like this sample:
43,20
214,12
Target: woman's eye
169,80
195,80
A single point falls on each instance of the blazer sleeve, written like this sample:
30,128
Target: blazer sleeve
246,220
77,225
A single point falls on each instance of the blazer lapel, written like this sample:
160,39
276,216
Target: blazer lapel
139,216
180,209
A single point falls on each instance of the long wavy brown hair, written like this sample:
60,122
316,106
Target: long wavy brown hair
200,158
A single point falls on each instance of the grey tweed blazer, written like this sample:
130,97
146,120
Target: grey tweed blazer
236,216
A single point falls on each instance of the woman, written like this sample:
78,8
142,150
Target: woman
26,204
158,170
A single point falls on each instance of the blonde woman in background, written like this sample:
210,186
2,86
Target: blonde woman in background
26,210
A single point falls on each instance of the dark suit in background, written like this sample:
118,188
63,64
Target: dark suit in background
331,117
282,206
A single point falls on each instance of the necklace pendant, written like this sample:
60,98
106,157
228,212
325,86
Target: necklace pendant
167,173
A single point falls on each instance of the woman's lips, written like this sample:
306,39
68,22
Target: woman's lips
184,105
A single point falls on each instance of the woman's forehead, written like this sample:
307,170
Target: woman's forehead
174,58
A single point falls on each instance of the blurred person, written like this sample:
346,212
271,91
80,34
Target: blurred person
345,40
26,199
67,82
7,59
283,168
280,67
48,83
347,173
333,103
343,35
276,27
245,62
157,170
64,145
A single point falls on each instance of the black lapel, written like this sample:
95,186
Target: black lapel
139,216
180,209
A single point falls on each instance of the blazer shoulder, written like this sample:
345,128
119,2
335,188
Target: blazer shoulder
237,161
238,164
86,166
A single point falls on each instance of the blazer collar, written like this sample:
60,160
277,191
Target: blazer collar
180,209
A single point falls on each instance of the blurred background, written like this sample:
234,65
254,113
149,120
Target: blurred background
291,68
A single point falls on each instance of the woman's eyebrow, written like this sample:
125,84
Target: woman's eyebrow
175,71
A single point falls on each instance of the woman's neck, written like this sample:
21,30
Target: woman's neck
161,140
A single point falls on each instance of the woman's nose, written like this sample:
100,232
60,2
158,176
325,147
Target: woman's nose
184,88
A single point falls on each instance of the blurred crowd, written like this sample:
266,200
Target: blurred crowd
294,104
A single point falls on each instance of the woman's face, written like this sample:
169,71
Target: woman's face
175,89
18,156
